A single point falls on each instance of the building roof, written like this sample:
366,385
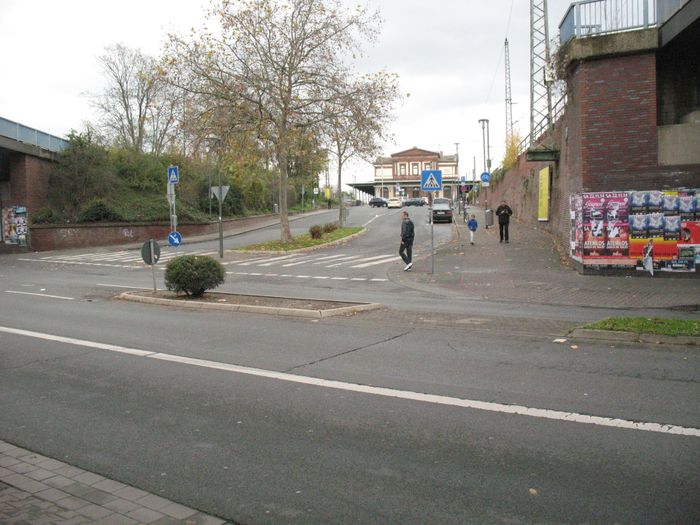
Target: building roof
413,153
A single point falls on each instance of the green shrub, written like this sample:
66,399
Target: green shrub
316,231
193,274
330,227
98,210
46,216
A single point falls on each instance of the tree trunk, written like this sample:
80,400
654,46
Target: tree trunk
340,194
285,234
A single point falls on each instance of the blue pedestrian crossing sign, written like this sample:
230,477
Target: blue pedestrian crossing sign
431,180
173,174
174,239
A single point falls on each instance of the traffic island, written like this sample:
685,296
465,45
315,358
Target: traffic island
260,304
642,330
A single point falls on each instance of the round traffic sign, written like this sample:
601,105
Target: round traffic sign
174,239
486,177
148,257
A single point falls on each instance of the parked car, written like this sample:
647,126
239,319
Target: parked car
414,202
377,202
441,200
442,212
394,202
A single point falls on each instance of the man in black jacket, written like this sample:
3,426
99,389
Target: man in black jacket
504,212
407,233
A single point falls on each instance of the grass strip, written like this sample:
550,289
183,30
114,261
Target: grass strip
303,241
648,325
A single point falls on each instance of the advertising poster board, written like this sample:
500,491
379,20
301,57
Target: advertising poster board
543,202
618,228
15,225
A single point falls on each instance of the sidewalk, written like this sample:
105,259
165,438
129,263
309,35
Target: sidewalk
36,490
530,270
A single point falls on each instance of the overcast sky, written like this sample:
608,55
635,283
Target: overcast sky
448,55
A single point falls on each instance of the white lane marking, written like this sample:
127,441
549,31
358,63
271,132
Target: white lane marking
387,260
343,261
320,277
80,263
41,295
369,221
339,278
77,342
488,406
268,259
107,285
379,280
324,260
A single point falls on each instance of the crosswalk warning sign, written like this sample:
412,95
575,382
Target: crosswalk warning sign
431,180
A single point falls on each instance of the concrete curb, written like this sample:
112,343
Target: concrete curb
633,337
249,308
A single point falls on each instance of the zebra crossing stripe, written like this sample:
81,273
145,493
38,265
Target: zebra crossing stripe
267,259
390,259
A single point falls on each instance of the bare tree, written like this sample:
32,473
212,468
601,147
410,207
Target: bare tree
356,124
138,108
276,64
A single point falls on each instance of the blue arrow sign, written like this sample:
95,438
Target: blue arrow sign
173,174
431,180
174,239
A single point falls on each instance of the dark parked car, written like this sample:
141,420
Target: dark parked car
442,212
414,202
377,202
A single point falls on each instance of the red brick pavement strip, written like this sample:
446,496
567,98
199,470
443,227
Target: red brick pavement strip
36,490
529,269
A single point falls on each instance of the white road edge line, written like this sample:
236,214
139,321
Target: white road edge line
488,406
122,286
41,295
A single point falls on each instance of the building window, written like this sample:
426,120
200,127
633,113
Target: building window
426,165
402,169
414,168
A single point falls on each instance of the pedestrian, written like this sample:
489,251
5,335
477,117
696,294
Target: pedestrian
504,212
472,225
407,234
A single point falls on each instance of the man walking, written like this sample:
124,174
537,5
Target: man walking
407,233
504,212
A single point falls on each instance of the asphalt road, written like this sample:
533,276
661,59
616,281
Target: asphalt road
345,420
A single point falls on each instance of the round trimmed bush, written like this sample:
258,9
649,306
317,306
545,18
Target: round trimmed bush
330,227
193,274
316,232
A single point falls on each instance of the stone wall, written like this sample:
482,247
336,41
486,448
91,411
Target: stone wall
50,237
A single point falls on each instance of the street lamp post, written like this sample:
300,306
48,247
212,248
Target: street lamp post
487,161
215,144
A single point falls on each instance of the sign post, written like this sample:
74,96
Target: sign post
431,180
173,178
150,252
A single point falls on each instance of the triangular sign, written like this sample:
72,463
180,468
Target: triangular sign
431,183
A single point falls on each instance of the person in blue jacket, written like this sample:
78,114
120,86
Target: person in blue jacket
472,225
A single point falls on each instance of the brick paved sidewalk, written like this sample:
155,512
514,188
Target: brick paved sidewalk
36,490
529,269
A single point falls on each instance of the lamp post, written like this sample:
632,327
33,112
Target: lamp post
487,161
215,144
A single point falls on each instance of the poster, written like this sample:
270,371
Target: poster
616,225
15,225
543,202
616,229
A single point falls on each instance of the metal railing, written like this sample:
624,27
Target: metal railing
600,17
27,135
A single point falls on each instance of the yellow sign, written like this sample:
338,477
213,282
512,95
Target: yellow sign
328,193
543,204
